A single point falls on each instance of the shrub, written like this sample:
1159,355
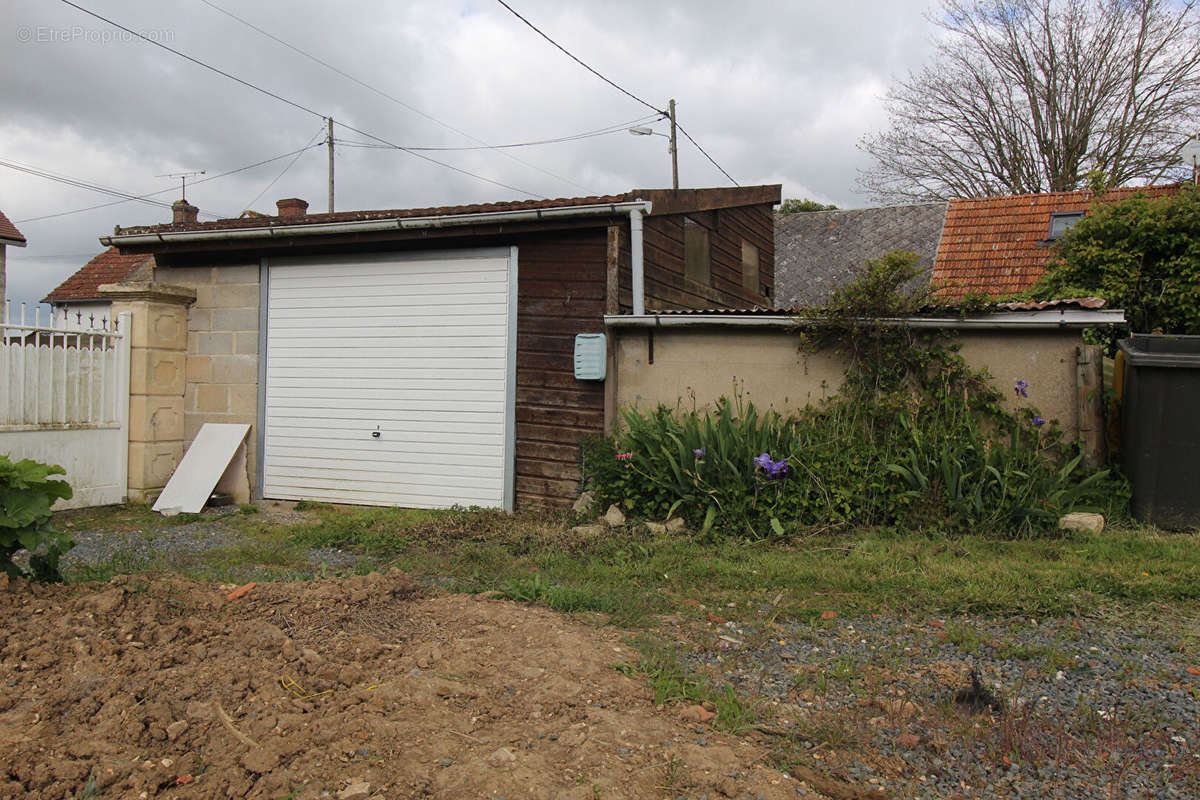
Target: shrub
1141,254
913,438
26,494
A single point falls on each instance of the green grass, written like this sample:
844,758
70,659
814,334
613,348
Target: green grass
672,682
633,577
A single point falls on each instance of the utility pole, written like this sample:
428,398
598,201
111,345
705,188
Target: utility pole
329,142
674,150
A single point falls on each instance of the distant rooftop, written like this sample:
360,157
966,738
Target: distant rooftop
817,252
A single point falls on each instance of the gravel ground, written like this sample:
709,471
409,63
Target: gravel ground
1092,708
1103,709
172,545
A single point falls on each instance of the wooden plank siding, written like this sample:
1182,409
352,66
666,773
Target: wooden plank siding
666,286
562,284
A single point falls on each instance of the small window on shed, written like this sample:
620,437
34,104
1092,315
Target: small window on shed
697,252
1061,223
749,267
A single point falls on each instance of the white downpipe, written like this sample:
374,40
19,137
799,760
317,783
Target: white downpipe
637,262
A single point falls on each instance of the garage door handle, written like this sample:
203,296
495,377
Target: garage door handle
375,434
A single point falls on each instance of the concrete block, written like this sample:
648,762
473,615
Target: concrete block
244,400
155,419
212,398
151,463
240,295
235,319
200,319
207,344
199,369
242,273
245,344
189,396
185,276
204,296
157,372
234,369
159,325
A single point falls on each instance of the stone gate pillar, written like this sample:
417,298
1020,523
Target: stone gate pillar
157,379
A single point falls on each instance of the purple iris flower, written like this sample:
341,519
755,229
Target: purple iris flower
700,452
1038,421
773,470
1022,388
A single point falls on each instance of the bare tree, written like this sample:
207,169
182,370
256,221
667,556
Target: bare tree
1032,95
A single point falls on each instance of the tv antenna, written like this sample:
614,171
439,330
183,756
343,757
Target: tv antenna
183,176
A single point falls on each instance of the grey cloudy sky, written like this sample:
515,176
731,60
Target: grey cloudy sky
776,92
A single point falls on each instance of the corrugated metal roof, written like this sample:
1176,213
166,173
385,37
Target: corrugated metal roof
1076,303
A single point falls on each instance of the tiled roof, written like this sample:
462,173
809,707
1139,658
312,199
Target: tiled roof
108,267
817,252
665,201
9,231
258,221
997,245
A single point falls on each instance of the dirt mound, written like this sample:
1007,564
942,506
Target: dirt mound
348,688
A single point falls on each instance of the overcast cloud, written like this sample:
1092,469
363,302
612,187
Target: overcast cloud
776,92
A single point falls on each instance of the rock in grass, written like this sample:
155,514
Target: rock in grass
587,533
656,528
614,517
1079,521
675,525
584,504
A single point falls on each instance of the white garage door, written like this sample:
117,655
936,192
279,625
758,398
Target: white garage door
390,378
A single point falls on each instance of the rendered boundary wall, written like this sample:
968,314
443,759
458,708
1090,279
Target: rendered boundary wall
697,365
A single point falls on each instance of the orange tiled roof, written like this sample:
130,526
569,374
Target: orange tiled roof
9,231
110,266
997,245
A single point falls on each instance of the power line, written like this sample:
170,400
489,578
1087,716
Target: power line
574,58
82,184
164,191
616,86
706,155
292,103
386,95
288,166
618,128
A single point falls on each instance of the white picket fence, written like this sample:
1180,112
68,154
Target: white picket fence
64,398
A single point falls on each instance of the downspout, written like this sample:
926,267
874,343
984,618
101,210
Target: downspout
637,264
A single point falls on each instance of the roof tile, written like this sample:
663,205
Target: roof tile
9,231
996,245
109,267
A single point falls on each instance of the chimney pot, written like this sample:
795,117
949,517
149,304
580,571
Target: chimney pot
292,207
183,211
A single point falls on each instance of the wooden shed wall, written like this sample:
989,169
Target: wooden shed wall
561,283
666,286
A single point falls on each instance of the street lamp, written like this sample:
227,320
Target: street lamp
671,147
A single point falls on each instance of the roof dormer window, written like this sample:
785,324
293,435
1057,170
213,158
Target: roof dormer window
1060,223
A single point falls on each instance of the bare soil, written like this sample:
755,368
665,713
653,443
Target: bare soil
162,687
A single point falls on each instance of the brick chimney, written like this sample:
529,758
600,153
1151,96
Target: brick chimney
183,211
292,207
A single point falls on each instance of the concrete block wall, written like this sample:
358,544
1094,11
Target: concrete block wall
222,348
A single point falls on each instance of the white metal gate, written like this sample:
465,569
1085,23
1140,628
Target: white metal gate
64,399
390,379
